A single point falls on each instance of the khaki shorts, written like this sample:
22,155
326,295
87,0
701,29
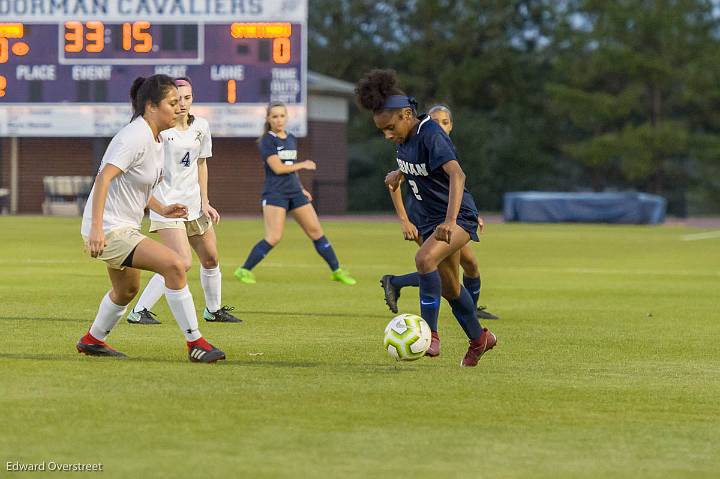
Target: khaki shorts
119,243
196,227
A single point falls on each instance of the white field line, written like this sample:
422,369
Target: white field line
38,261
702,236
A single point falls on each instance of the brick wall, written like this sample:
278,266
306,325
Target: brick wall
236,172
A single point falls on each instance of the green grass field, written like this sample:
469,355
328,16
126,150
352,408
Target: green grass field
607,362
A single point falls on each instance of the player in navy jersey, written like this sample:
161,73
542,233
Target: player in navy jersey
446,213
391,284
282,194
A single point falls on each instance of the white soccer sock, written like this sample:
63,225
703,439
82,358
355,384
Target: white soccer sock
183,308
151,294
107,317
211,281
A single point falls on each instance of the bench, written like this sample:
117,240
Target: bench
66,195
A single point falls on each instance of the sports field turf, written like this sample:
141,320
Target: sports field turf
607,362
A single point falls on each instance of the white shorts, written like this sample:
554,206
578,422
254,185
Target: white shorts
196,227
119,243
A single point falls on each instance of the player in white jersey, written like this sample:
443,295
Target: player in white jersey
131,169
187,147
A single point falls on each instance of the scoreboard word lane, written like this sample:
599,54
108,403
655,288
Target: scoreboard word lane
71,78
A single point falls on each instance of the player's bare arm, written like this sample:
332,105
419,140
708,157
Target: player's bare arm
410,231
280,168
96,240
205,207
443,231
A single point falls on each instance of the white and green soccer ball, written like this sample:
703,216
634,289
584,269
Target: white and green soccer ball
407,337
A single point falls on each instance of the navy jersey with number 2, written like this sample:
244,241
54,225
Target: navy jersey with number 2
285,184
420,159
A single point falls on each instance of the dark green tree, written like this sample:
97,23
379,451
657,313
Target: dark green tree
484,58
633,91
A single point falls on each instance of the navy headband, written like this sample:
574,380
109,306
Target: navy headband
400,101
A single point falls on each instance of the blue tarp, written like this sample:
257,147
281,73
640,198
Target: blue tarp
549,207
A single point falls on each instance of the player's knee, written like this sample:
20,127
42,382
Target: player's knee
210,262
315,233
424,262
132,291
187,264
470,267
125,294
273,239
175,271
450,291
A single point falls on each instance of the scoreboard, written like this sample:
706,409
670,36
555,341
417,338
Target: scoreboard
66,66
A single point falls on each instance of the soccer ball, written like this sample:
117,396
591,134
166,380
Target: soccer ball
407,337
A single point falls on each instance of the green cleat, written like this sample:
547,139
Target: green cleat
342,276
245,275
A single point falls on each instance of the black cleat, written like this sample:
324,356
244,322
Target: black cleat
207,354
222,315
142,317
392,294
98,350
483,313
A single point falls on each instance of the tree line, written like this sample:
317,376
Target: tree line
556,95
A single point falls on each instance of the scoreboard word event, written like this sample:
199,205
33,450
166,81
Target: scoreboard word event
66,66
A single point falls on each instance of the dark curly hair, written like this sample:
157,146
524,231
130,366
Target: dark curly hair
373,89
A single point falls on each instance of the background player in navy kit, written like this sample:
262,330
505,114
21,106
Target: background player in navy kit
391,284
447,213
284,193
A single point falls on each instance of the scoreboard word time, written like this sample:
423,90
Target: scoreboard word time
66,66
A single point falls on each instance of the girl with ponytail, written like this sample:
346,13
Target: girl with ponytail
282,194
131,169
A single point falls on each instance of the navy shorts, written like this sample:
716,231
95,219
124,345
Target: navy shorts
289,202
468,224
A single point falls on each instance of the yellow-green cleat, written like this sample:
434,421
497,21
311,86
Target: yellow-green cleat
245,275
342,276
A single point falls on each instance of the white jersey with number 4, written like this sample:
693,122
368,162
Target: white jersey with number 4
180,184
134,150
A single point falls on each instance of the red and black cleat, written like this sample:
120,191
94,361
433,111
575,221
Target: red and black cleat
200,351
94,347
478,347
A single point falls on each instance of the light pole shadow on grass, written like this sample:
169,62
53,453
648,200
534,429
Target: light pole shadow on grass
35,318
272,313
376,368
37,357
343,315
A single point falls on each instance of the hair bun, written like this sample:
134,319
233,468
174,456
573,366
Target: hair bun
135,87
372,90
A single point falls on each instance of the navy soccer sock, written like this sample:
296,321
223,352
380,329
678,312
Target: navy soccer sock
430,292
473,287
410,279
259,251
465,312
325,249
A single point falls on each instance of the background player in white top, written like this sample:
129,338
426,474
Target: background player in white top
187,147
131,168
